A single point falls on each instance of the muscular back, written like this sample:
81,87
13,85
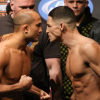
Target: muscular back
83,69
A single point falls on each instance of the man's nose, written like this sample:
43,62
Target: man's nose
40,30
75,5
28,8
47,30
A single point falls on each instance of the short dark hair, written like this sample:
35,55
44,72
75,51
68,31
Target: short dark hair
8,8
63,13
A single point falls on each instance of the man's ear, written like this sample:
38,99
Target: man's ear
12,4
65,2
25,28
62,26
86,3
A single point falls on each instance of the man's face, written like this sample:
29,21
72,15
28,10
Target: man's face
78,6
35,29
18,5
53,30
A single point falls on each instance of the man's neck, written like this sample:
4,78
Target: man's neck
19,41
79,19
70,39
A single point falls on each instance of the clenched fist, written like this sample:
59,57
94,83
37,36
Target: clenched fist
25,82
44,95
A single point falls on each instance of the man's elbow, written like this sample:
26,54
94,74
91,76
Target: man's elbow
56,76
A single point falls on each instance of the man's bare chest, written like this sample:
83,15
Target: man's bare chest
19,64
76,65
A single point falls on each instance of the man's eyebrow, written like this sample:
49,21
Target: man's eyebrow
23,6
48,24
39,23
26,6
32,6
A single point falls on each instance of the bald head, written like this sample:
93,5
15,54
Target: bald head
80,0
25,16
17,5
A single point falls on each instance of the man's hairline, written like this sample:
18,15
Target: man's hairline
55,20
66,0
15,0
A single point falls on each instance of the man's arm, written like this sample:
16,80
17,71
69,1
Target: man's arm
53,65
91,54
42,94
24,84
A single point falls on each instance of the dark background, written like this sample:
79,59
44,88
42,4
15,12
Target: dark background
95,13
96,10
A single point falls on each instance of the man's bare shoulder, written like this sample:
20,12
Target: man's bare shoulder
90,50
4,56
4,49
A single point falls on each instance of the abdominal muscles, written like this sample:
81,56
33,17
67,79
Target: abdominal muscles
87,87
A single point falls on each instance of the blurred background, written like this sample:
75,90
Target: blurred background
44,6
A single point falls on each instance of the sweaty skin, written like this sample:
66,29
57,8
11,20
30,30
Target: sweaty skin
83,69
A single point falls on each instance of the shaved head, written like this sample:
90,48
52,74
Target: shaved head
25,16
17,5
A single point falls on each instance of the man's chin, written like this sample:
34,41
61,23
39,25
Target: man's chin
54,41
35,40
77,15
51,40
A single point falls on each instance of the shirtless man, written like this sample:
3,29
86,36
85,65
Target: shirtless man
83,62
84,23
43,59
15,58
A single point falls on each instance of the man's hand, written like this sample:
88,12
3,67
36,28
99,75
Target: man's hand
25,82
44,95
